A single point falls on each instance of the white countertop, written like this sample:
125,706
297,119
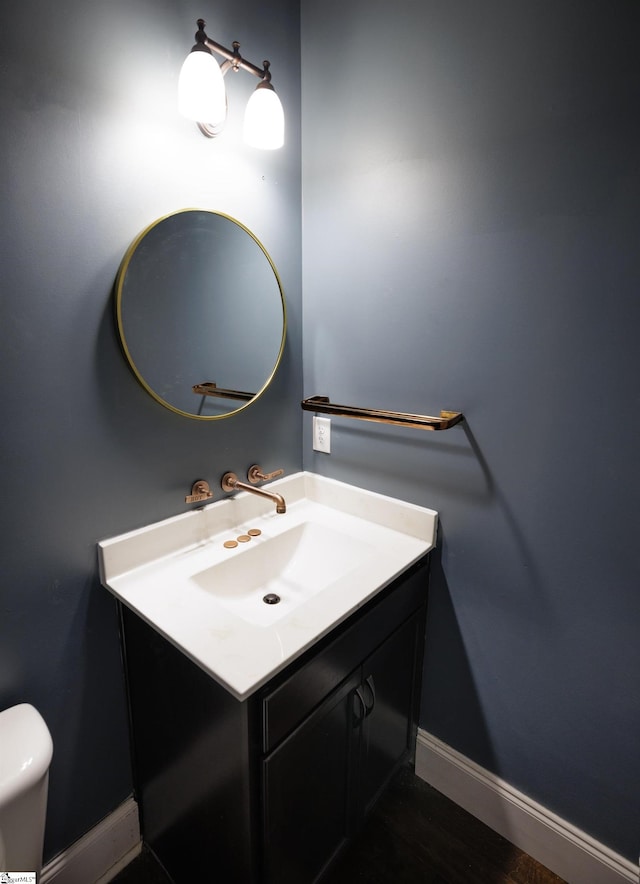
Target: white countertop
207,599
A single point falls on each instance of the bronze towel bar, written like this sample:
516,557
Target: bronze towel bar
322,405
211,389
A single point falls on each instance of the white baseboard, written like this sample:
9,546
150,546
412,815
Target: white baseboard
575,856
99,855
561,847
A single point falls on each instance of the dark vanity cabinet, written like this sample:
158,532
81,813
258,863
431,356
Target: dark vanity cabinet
319,783
272,788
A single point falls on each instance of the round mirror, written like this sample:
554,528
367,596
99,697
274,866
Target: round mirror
201,313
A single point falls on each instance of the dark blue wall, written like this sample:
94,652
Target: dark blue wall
471,185
92,152
471,241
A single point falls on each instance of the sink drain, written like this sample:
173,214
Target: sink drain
271,598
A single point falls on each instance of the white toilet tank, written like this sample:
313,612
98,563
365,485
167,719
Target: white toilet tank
25,755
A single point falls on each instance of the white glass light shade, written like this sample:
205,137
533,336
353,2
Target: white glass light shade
201,92
264,120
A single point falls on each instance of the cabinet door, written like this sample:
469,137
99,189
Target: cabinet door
306,785
388,700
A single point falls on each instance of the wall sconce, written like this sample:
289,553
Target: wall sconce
202,95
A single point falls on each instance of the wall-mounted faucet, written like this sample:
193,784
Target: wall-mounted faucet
230,482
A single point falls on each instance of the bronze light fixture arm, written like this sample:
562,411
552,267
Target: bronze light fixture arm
232,55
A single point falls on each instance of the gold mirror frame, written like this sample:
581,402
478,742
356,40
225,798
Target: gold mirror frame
251,327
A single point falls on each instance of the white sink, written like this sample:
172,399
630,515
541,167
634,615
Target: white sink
294,566
332,551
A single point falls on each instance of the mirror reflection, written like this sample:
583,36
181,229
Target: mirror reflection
201,313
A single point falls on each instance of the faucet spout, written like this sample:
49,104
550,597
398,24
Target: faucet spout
230,482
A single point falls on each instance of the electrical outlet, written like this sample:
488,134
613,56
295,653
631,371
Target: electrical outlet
322,434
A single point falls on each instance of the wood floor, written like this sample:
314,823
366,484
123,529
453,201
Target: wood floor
414,836
417,836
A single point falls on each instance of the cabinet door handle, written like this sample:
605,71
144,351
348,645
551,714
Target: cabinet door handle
361,714
372,690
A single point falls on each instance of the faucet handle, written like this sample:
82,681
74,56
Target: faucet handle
199,491
229,482
255,474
